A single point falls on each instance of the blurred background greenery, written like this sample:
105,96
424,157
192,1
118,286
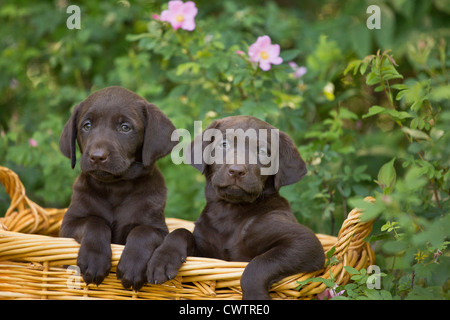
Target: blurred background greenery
46,69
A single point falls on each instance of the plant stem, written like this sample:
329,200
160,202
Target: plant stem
387,92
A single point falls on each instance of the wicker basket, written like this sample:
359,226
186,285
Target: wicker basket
34,263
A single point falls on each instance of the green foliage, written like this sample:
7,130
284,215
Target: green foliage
358,288
415,207
366,124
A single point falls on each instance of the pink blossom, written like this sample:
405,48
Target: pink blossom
329,293
298,71
240,52
180,15
264,52
156,16
33,143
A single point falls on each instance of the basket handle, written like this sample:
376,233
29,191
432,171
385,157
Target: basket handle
350,243
353,231
20,203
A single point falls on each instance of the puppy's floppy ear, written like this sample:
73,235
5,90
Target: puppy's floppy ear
195,157
68,140
292,168
197,146
157,136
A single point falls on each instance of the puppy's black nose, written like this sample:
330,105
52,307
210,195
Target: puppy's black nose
237,170
98,156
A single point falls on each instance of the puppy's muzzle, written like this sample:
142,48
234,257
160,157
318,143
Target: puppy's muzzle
237,170
98,157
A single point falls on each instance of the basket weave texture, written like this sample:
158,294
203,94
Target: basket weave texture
35,264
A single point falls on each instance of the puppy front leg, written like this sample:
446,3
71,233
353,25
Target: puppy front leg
94,256
140,245
260,273
280,261
169,257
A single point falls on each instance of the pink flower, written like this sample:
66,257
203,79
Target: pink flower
33,143
298,71
240,52
156,16
180,15
329,293
264,52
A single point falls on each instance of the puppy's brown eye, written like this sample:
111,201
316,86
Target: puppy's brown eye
87,126
124,127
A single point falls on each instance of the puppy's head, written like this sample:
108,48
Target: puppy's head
243,156
115,128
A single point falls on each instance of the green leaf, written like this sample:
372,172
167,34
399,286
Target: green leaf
379,89
399,86
289,55
331,252
351,293
192,67
353,65
372,78
350,286
351,270
416,134
328,282
389,226
135,37
372,294
399,115
344,113
364,66
356,277
374,110
387,177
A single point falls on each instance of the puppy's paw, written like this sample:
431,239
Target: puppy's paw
164,264
94,264
131,270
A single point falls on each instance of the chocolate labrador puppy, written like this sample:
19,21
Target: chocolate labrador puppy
245,218
120,195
